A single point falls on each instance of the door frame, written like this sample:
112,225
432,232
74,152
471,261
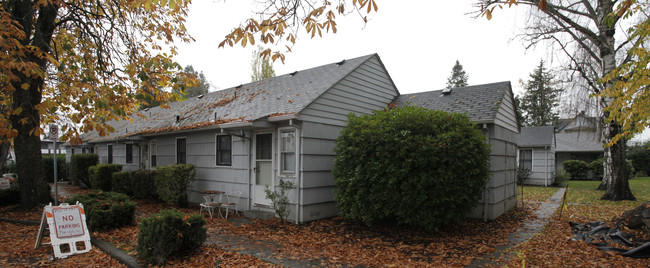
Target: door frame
253,167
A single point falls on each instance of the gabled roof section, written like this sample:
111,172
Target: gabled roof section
580,122
536,136
578,141
480,103
278,96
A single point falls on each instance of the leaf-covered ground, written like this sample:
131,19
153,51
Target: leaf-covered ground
339,242
552,247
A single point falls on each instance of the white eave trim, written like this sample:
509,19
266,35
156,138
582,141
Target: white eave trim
282,118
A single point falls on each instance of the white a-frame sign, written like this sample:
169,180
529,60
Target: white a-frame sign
68,230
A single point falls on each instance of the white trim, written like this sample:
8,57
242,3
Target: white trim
253,164
154,141
281,172
216,144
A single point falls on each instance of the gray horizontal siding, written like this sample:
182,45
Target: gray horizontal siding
506,116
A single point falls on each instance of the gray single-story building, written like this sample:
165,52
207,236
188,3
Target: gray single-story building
252,136
578,138
537,154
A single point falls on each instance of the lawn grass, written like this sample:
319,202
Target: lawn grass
536,193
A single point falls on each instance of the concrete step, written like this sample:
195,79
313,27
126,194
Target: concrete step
258,214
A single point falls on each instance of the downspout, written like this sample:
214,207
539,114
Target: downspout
486,190
546,168
250,163
298,170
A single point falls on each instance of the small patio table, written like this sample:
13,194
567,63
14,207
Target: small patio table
210,201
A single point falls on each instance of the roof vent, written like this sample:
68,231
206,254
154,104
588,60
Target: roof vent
340,63
294,73
240,85
215,115
178,118
446,91
146,109
199,96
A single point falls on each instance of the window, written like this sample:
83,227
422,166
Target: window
288,151
181,151
154,152
526,159
224,150
110,154
129,153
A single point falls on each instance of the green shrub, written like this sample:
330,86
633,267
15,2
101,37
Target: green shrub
577,169
639,155
412,165
122,182
169,233
523,174
101,175
630,168
48,167
280,199
560,177
596,167
79,164
143,184
105,210
172,182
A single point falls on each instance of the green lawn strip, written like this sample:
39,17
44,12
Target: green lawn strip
584,192
536,193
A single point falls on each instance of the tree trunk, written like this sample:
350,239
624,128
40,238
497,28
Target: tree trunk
4,153
618,187
27,94
615,176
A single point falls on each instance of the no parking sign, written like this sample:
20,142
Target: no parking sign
68,230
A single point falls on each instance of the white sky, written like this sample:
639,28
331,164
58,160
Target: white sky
417,40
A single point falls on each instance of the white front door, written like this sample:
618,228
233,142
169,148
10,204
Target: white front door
263,168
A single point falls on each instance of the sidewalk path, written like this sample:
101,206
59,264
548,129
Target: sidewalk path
525,232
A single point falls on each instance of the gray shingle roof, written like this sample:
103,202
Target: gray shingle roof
282,95
578,141
480,102
536,136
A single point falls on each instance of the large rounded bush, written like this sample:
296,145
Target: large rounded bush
417,166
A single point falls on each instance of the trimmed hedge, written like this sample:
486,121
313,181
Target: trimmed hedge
101,175
105,210
172,183
138,183
597,167
169,233
79,164
48,167
144,184
121,182
577,169
412,165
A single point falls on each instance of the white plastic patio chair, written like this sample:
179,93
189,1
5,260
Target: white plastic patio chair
230,204
208,205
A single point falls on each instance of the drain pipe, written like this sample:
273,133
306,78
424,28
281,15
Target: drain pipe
250,163
487,189
298,169
546,168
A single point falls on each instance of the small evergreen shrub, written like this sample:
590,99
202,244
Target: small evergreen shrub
143,184
577,169
411,165
522,175
79,164
122,182
48,167
169,233
105,210
172,182
101,176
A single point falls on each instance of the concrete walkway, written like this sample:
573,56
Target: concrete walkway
525,232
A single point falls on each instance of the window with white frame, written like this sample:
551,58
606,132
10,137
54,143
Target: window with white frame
526,159
224,150
153,147
288,151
